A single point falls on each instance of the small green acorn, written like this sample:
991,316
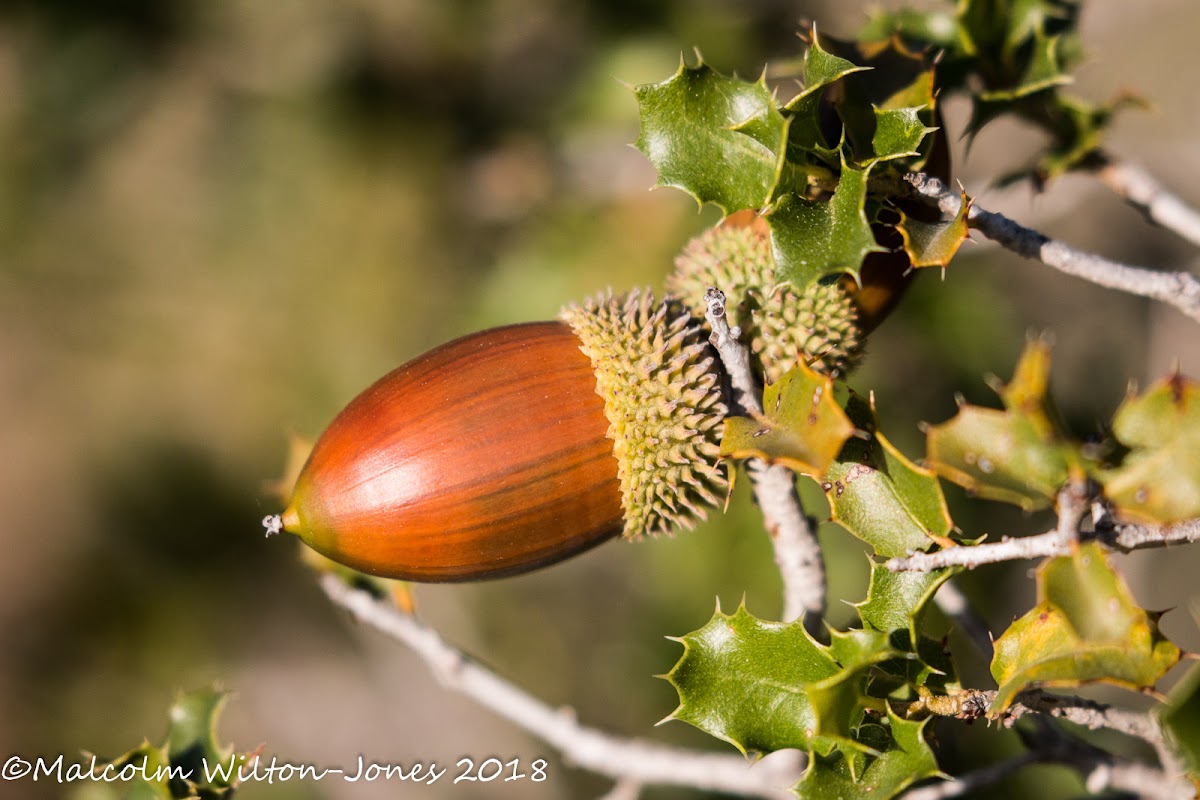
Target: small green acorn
517,447
781,325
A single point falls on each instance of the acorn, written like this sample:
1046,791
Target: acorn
517,447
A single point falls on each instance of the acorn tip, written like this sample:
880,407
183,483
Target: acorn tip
273,523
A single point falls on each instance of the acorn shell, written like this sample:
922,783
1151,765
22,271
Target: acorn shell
485,457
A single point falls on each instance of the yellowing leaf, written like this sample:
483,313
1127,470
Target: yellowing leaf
1086,628
1018,455
1159,480
934,244
802,427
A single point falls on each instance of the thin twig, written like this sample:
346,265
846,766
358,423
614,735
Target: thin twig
1102,770
630,760
1143,191
797,551
1179,289
1122,536
1093,715
1048,744
974,780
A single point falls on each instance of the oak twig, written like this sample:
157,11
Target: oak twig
1143,191
1178,289
630,761
974,780
793,535
1121,536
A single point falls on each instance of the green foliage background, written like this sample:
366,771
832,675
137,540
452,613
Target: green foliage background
220,220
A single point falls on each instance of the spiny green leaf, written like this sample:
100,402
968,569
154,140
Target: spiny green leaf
880,109
151,762
802,427
181,766
934,244
903,758
690,132
880,496
858,648
192,736
1085,628
898,133
1159,480
1078,130
818,239
895,600
819,70
1017,455
822,68
1181,718
1042,71
746,681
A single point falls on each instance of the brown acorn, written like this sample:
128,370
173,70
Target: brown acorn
517,447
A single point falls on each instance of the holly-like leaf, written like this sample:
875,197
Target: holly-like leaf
895,600
1078,129
819,70
899,757
838,700
190,763
1042,71
898,133
816,239
1159,480
746,681
1018,455
1181,719
1086,628
802,427
711,136
880,496
192,737
934,244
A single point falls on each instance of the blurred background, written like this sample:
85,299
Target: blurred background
221,220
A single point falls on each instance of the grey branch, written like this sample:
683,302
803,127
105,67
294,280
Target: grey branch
629,761
797,551
1121,536
1178,289
1100,769
972,781
1143,191
1094,715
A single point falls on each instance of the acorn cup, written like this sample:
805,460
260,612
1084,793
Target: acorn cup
517,447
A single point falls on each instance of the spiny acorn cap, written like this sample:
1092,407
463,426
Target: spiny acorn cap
781,325
663,396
